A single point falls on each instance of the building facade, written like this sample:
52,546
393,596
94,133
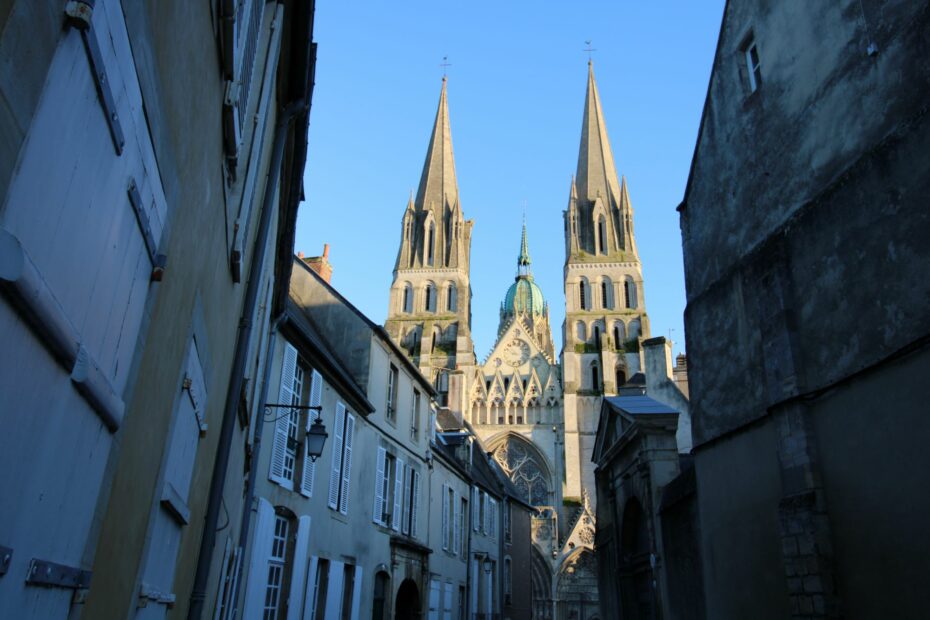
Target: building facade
535,409
805,230
142,221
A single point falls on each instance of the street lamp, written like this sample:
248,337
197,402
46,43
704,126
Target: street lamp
315,434
487,565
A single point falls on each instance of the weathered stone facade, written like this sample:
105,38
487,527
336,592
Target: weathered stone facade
805,243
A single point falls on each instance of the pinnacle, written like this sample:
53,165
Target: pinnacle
438,186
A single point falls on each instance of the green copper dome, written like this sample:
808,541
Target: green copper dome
524,297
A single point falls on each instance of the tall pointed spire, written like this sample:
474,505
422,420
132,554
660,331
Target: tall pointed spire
438,186
596,174
523,261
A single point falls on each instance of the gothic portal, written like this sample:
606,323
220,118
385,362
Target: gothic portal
537,416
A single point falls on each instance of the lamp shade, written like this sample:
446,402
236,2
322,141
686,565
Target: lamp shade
316,438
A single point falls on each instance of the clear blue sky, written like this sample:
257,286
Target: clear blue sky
516,93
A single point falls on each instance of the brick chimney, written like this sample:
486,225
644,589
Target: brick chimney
319,264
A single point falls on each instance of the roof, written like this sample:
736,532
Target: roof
639,405
377,329
438,186
318,352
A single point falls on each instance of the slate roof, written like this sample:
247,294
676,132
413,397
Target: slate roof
639,405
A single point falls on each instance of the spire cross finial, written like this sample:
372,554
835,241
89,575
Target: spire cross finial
445,63
589,49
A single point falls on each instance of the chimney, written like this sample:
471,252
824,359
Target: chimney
319,264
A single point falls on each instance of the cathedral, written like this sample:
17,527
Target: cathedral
535,411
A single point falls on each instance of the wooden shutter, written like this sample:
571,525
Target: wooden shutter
285,397
434,603
445,517
405,521
357,593
377,512
258,564
447,602
398,492
347,463
475,510
310,590
309,468
416,504
457,518
335,477
492,521
295,601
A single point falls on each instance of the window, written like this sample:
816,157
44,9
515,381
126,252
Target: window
583,293
279,559
320,585
597,336
601,235
447,601
491,526
635,328
437,338
448,518
581,331
348,587
240,51
392,393
461,602
629,292
460,528
753,67
452,299
595,381
411,501
430,298
507,534
341,467
430,243
607,293
619,334
288,453
435,594
621,377
408,298
415,416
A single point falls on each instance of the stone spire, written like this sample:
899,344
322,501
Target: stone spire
596,174
438,187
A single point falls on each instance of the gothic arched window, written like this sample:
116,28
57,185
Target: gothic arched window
635,327
584,293
629,292
408,298
607,293
451,298
526,468
601,235
430,243
619,334
595,378
430,300
581,331
621,377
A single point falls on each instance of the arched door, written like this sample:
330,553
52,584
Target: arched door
407,605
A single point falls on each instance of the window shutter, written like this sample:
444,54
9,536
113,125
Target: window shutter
492,521
475,510
335,479
416,504
258,564
377,511
447,602
434,603
456,534
347,464
398,486
357,592
309,469
299,567
405,521
285,397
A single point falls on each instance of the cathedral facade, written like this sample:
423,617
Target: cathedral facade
534,409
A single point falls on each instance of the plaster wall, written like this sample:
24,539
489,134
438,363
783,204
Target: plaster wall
872,439
738,513
447,565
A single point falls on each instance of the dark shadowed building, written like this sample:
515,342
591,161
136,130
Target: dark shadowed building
805,229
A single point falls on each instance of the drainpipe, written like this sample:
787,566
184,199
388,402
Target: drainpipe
221,464
256,450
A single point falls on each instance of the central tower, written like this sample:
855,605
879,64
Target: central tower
429,314
605,310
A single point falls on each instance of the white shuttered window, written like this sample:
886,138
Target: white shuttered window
309,467
377,511
398,495
341,470
279,451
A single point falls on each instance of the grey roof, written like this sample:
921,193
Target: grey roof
639,405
